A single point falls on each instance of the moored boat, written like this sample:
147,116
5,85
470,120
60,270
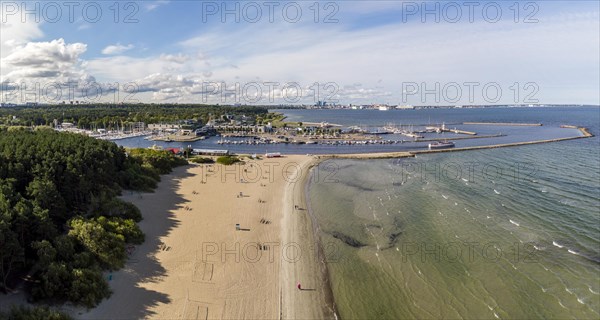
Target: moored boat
441,145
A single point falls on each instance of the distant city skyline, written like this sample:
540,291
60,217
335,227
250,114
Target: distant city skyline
389,52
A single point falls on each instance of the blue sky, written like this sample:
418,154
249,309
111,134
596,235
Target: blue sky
369,52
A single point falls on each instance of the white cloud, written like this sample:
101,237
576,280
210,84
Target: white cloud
55,60
14,33
551,53
560,53
52,70
155,4
117,49
178,58
381,59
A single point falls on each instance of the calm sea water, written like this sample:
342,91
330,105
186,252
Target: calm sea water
500,233
552,118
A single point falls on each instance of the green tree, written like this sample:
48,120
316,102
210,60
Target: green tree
107,246
11,253
35,313
88,287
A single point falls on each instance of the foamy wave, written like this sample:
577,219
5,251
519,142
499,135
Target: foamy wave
557,245
496,191
580,301
592,291
515,223
445,197
572,252
568,202
568,290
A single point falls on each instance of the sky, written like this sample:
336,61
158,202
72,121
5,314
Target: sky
301,52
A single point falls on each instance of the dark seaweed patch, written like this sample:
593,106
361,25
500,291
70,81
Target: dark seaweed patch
347,239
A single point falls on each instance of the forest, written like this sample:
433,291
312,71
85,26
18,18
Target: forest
105,115
62,225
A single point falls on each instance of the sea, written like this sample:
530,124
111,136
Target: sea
509,233
487,234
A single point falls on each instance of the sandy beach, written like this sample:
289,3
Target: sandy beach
196,264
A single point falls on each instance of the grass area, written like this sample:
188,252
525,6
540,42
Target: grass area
228,160
202,160
276,119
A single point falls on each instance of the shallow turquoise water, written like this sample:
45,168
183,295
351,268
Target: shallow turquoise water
504,233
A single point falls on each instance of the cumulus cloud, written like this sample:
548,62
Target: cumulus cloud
14,31
54,59
50,72
117,49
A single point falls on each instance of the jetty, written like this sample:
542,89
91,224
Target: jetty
177,138
444,129
461,138
376,155
506,124
471,133
407,154
584,131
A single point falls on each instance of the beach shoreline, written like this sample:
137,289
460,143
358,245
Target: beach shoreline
310,270
221,244
172,275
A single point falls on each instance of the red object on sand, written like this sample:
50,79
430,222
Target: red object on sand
299,286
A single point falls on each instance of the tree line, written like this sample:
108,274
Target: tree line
61,222
107,116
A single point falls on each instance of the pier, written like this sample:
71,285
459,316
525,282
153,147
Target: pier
409,154
471,133
457,131
461,138
584,131
506,124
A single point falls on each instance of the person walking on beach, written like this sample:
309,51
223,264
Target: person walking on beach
299,286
